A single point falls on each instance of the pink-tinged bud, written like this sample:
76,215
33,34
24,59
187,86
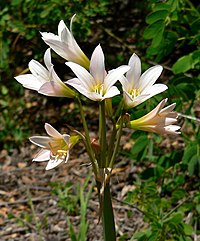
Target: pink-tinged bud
160,120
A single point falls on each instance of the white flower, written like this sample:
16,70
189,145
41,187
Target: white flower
138,88
97,85
45,80
159,120
65,45
55,147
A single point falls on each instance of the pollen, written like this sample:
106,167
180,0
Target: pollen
99,89
134,92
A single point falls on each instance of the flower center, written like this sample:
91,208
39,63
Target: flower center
60,155
58,147
99,89
134,92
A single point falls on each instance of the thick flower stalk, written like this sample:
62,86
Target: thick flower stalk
159,120
45,80
138,88
65,45
96,85
55,147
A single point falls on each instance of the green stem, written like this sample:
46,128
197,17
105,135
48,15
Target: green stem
88,142
119,134
107,214
112,142
102,133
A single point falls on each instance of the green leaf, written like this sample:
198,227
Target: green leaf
157,39
139,145
155,16
198,208
194,165
161,6
16,2
152,30
175,218
189,153
196,57
183,64
195,26
187,229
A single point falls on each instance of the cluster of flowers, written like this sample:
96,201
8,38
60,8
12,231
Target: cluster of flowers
94,82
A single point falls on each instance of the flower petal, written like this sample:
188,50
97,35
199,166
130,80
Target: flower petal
149,77
38,71
53,88
155,89
152,114
52,131
42,155
29,81
97,67
41,141
47,59
63,32
55,161
78,85
114,75
113,91
83,75
134,73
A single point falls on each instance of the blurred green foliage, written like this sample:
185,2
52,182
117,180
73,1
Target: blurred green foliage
24,19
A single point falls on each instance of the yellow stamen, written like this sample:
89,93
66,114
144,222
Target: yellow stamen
99,89
134,92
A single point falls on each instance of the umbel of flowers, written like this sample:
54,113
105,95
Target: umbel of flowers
93,81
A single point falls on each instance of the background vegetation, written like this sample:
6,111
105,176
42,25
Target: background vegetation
160,32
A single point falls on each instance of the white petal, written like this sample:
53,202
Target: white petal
155,89
53,88
149,77
97,67
168,109
83,75
94,96
59,47
52,131
124,82
171,129
113,91
41,141
42,155
78,85
29,81
47,59
49,36
114,75
66,138
63,32
38,71
132,102
54,162
134,73
152,114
